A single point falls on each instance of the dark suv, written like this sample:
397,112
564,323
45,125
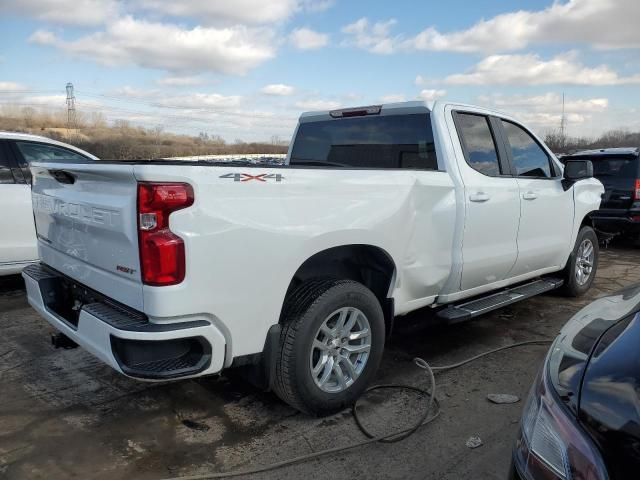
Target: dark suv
619,171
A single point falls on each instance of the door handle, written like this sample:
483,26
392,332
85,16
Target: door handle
530,195
479,197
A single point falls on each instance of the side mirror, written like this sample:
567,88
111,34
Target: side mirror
575,170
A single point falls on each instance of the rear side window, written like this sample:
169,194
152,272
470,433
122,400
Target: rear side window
40,152
478,142
529,159
387,141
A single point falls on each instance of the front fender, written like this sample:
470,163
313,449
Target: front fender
587,196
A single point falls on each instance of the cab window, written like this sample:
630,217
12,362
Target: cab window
529,159
478,142
379,142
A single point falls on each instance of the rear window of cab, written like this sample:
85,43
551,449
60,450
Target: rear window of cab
376,142
618,166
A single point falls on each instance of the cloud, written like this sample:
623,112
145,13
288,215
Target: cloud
603,24
307,39
221,12
530,69
421,81
548,101
317,5
431,95
277,89
374,38
178,81
129,91
49,100
392,98
11,87
128,41
215,12
199,101
545,111
70,12
317,104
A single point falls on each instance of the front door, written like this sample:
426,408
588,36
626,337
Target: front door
546,218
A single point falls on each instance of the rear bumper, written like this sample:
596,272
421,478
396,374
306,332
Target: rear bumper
121,337
617,224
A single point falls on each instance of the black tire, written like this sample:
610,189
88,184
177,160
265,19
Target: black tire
305,311
572,287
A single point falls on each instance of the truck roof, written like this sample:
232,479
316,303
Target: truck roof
398,108
603,152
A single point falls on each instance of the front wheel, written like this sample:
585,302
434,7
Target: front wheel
330,347
581,267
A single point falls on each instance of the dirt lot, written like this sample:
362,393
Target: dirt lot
63,414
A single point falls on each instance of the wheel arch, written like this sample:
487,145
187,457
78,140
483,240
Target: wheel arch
368,264
587,221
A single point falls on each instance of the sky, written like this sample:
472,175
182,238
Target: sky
246,69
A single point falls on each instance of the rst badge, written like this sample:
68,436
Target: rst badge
261,177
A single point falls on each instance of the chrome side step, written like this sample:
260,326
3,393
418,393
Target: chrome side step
465,311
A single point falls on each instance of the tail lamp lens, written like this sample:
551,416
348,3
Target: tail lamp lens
553,446
636,191
162,254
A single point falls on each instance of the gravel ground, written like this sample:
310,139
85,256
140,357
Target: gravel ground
63,414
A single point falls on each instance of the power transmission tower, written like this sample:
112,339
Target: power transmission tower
71,108
563,123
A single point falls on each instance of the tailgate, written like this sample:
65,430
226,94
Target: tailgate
618,193
618,174
85,216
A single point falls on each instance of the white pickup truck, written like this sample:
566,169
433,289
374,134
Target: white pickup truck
170,270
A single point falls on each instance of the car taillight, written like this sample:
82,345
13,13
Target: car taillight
636,191
162,256
553,446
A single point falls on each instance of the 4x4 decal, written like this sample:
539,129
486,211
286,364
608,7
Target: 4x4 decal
246,177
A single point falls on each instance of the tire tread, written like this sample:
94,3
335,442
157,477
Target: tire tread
302,299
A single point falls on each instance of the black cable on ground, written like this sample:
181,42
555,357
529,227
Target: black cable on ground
427,417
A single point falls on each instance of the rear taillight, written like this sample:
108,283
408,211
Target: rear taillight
162,257
636,191
553,446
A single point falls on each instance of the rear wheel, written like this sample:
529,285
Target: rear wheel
330,347
582,264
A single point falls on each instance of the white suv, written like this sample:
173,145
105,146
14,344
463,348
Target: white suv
18,246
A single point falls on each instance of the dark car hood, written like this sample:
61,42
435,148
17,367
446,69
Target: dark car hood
595,367
572,349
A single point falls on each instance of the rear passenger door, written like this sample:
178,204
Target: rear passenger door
18,238
546,218
492,202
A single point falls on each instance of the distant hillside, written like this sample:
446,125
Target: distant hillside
612,138
121,140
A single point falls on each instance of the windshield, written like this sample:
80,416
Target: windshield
388,141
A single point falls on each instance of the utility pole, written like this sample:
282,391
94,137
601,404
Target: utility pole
563,123
71,108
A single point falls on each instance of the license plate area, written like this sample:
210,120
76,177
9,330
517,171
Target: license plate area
66,298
